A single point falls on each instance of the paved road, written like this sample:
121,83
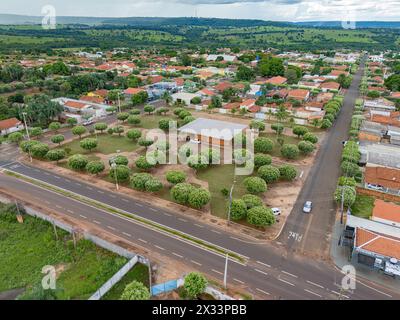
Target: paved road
310,233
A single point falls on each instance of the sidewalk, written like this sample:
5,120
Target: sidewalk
340,257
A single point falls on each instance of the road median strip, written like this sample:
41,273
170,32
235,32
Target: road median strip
131,216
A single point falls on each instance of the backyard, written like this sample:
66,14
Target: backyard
363,206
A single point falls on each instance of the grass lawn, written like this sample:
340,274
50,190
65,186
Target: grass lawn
276,152
85,268
108,144
139,273
151,121
363,206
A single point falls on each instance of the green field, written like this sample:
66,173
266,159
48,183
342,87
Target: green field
363,206
276,152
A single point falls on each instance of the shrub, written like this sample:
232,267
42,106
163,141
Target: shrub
238,209
35,132
180,192
120,160
197,162
101,126
350,169
149,108
78,162
288,173
57,139
195,284
262,160
255,185
175,177
15,137
145,142
349,195
138,181
278,127
306,147
134,134
269,173
263,145
89,144
118,129
163,124
310,137
260,216
326,123
54,126
78,131
300,131
56,155
142,163
240,156
134,120
39,150
27,145
198,198
258,125
122,116
252,201
153,185
346,181
121,172
290,151
135,291
95,167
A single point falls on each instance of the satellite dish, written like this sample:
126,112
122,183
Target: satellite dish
394,261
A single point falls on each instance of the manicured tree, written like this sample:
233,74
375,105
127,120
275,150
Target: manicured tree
263,145
54,126
197,162
162,110
56,155
252,201
175,177
101,126
122,173
72,122
163,124
348,193
196,100
288,173
149,109
290,151
119,129
78,131
134,112
36,132
238,209
122,116
198,198
40,150
57,139
262,160
138,181
111,110
95,167
177,111
195,284
213,156
78,162
350,169
180,192
134,134
258,125
278,128
269,174
255,185
89,144
260,217
135,291
120,160
110,131
15,137
184,113
326,123
187,120
134,120
300,131
143,142
142,163
27,145
346,181
306,147
153,185
310,137
240,156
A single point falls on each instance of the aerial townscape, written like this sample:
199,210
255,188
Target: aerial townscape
198,159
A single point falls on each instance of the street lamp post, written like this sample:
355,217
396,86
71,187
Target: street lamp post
114,166
230,200
226,270
119,102
27,134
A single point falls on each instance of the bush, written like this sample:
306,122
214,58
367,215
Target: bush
134,112
78,131
198,198
57,139
258,125
288,173
163,124
145,142
135,291
149,108
346,181
101,126
78,162
278,127
238,209
56,155
290,151
349,195
252,201
134,120
95,167
187,120
306,147
39,150
350,169
263,145
195,284
260,217
197,162
54,126
121,172
175,177
122,116
27,145
255,185
300,131
142,163
139,180
89,144
269,173
241,156
15,137
262,160
118,129
153,185
35,132
120,160
310,137
326,123
134,134
180,192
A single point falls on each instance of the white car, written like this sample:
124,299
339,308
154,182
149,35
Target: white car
307,207
276,211
374,187
88,122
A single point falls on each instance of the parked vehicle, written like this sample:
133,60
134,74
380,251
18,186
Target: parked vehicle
307,207
88,122
276,211
375,187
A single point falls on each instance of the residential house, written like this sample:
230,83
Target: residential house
299,94
184,97
330,86
276,81
388,178
10,125
386,212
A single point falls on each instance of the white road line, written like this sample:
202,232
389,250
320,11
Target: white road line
315,294
262,291
195,262
125,200
141,240
95,221
127,234
82,216
264,273
56,177
59,207
217,271
264,264
112,196
183,220
78,184
167,214
289,274
385,294
287,282
90,188
215,231
111,228
340,294
70,211
178,255
158,247
315,284
154,210
197,225
99,191
237,280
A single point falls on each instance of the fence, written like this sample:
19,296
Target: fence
378,194
164,287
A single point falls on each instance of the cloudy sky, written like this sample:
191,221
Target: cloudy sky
288,10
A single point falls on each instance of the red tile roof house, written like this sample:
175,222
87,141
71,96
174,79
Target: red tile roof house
10,125
247,104
132,91
277,80
328,86
386,212
388,178
299,94
395,95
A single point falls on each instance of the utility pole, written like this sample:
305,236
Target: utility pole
226,270
114,166
27,134
119,103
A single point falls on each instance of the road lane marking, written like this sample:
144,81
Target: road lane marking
70,211
125,200
127,234
57,177
237,280
183,220
262,291
154,210
264,264
112,196
67,180
59,207
197,225
78,184
195,262
315,284
287,282
111,228
216,271
82,216
158,247
177,255
167,214
289,274
315,294
99,191
385,294
139,205
264,273
90,188
215,231
141,240
340,294
95,221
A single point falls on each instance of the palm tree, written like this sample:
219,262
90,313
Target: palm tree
282,114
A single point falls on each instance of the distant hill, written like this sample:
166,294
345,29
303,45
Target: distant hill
359,24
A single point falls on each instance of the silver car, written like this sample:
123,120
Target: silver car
307,207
